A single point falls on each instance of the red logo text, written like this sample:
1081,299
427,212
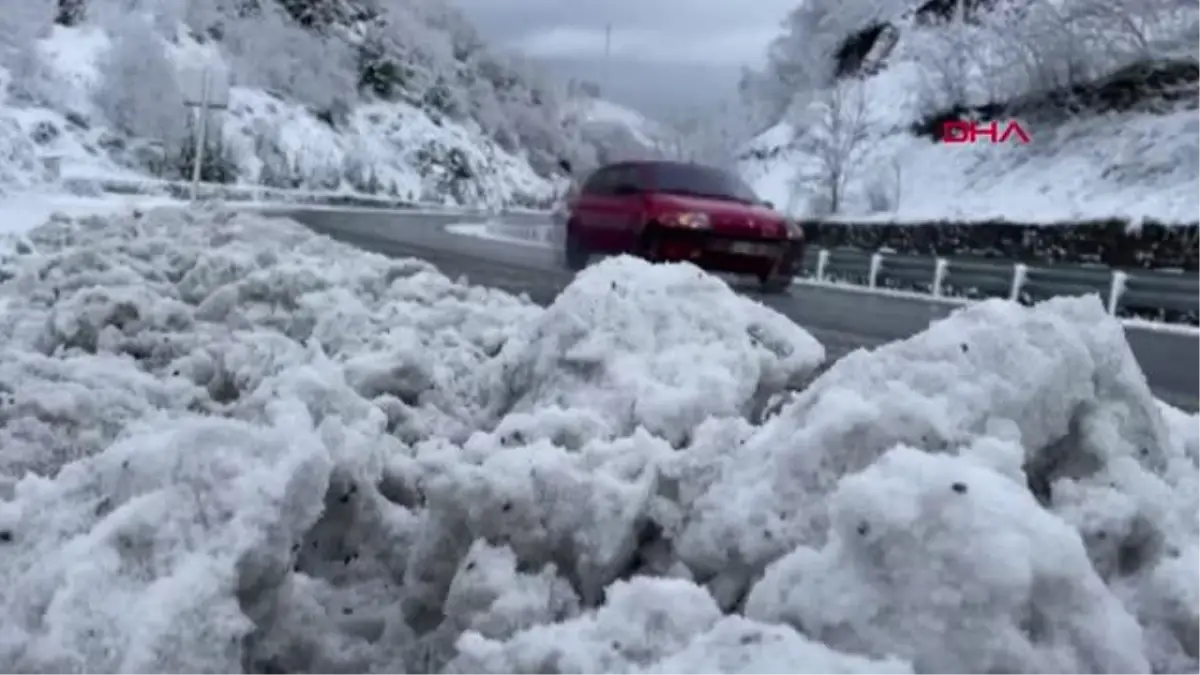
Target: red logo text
960,131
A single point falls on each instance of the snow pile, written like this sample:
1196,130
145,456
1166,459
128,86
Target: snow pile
232,445
661,347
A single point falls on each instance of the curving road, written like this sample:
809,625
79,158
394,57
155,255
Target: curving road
842,320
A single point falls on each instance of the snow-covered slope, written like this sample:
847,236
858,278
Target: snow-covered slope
64,128
1138,164
231,445
617,131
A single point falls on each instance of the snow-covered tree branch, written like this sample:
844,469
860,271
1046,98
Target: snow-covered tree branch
139,92
715,137
979,53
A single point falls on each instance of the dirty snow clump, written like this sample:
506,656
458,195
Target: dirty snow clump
1042,393
662,347
954,566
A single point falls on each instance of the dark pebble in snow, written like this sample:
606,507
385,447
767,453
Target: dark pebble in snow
863,529
960,488
6,536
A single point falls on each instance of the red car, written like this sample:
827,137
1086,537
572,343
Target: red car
673,211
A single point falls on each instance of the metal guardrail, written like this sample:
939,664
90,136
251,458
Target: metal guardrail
1174,294
1172,297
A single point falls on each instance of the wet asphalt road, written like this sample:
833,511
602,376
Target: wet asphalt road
843,321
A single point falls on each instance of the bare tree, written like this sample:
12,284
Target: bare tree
833,135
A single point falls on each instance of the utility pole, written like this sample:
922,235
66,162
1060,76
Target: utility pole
607,55
205,92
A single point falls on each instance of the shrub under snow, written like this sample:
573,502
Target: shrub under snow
228,444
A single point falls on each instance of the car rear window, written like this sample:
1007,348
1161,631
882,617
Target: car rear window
700,181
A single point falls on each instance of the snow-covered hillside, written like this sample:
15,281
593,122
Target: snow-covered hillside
866,142
231,445
617,131
102,97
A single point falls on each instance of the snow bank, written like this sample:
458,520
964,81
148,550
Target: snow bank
233,445
183,386
259,393
1057,379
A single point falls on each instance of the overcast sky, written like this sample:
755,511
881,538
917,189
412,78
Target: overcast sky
666,54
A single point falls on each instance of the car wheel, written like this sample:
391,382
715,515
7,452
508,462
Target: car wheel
648,243
775,284
575,254
780,279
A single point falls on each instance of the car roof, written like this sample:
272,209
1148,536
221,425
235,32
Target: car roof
652,163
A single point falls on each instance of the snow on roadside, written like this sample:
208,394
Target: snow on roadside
222,429
23,211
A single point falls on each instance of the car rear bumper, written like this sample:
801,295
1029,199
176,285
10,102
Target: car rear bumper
725,253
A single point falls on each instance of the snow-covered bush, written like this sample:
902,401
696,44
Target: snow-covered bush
139,89
21,25
486,123
229,444
272,53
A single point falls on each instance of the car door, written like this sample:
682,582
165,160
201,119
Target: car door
624,223
599,210
587,208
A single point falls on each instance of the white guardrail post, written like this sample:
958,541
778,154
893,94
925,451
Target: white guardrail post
939,276
873,273
1116,289
822,263
1020,272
